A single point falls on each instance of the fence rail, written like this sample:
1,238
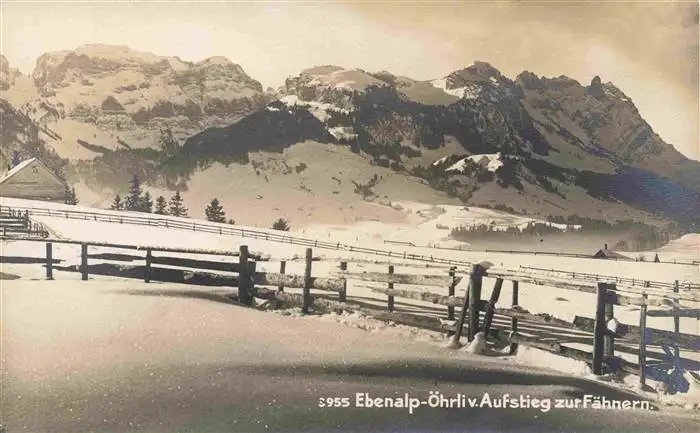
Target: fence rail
544,253
202,251
629,281
227,229
669,297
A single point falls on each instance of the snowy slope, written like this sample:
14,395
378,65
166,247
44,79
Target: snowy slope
167,360
245,350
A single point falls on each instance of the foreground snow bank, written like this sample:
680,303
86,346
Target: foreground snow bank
526,357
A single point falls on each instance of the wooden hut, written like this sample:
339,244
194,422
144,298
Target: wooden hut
33,180
605,253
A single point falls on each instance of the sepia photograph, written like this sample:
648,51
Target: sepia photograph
349,216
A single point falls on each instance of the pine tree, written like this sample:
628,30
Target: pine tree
146,203
134,200
176,206
167,142
161,206
71,198
281,224
15,158
117,203
215,212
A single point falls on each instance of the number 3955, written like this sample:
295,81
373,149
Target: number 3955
334,402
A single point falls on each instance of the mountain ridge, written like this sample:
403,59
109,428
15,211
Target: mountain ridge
122,52
560,135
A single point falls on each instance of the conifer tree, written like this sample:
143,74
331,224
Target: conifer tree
215,212
146,203
167,142
176,206
15,158
134,200
281,224
117,203
161,206
71,198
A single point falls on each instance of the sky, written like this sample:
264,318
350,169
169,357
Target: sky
647,49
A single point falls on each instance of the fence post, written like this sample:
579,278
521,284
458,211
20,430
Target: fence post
475,284
609,345
49,261
488,317
390,299
147,274
451,292
84,261
676,320
243,279
343,292
455,344
599,329
514,320
642,360
307,282
252,265
283,268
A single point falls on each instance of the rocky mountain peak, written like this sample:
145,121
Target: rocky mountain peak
7,75
478,73
484,70
216,60
322,70
596,88
330,84
529,81
120,53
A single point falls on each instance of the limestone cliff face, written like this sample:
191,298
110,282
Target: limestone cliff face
116,91
7,75
602,121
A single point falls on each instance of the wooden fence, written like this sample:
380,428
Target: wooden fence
330,294
153,220
15,223
158,266
604,327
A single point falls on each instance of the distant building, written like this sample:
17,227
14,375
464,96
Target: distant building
605,253
33,180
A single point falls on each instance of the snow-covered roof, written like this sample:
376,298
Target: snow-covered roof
24,164
603,253
17,168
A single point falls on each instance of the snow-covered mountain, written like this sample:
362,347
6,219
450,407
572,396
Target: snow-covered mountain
569,148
